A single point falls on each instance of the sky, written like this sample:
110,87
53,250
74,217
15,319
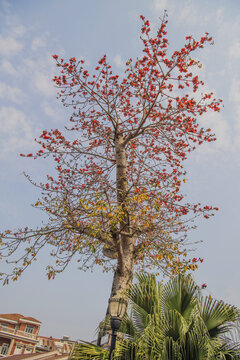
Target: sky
30,33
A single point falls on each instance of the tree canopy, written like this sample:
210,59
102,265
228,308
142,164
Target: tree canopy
114,197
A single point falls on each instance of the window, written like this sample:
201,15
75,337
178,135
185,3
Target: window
18,349
29,329
4,325
4,349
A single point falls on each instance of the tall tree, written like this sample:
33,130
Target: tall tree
115,196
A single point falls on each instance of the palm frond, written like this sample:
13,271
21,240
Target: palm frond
88,351
218,316
170,322
145,292
180,293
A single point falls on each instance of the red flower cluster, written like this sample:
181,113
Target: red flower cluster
148,118
194,260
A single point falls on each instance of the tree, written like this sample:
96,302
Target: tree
115,198
171,321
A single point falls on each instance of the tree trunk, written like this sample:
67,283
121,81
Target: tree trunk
125,241
122,279
121,282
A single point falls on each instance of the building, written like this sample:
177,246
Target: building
20,339
18,334
52,355
62,346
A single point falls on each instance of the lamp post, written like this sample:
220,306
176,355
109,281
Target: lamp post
117,309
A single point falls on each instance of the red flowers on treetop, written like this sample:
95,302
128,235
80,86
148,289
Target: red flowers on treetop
117,192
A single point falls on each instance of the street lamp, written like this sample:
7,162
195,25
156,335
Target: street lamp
117,309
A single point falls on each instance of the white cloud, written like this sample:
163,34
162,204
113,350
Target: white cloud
54,113
232,295
160,5
43,83
234,51
220,15
188,14
13,27
228,27
48,109
234,98
8,67
16,130
37,43
6,5
220,126
40,72
11,93
226,129
234,95
10,46
18,30
218,123
119,61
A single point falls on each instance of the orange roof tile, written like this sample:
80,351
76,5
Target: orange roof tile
17,317
47,356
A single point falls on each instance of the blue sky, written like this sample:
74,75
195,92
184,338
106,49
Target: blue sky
30,32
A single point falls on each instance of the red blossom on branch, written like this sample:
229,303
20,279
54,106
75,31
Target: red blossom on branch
116,192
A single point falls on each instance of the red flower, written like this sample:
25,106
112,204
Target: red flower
55,56
194,260
204,286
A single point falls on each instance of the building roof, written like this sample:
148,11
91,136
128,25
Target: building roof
50,343
17,317
52,355
19,356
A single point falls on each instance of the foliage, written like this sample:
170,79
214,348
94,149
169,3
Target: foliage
173,321
116,190
87,351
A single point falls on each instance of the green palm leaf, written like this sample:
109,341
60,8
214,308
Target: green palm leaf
170,322
87,351
218,316
180,294
146,293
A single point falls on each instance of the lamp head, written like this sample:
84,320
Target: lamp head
117,307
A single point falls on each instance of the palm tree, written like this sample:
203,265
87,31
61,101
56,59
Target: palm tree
171,322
